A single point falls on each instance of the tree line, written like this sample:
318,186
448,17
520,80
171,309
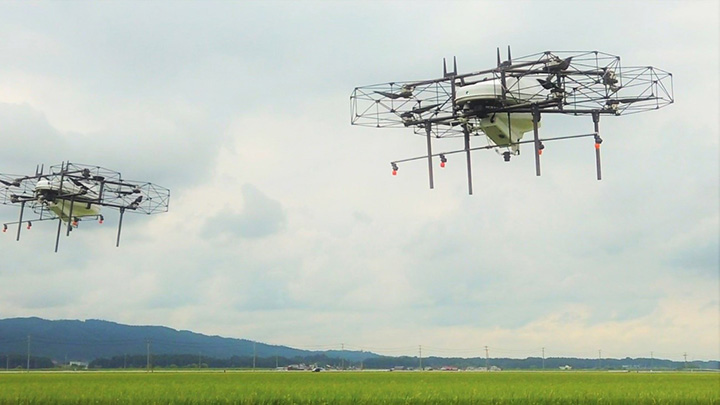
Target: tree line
387,362
200,361
20,362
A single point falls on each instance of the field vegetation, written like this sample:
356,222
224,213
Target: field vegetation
245,387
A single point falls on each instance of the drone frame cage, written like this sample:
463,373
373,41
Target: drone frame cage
571,83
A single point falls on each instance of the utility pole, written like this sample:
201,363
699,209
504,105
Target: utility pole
487,359
599,359
420,356
147,343
651,360
254,355
125,361
342,356
684,355
199,359
543,358
28,354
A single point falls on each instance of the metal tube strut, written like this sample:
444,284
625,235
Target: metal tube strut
466,132
536,120
598,141
70,217
122,213
495,146
57,237
22,209
428,132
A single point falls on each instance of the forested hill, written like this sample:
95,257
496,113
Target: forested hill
91,339
114,345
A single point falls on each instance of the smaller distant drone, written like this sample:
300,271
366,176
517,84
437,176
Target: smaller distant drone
72,192
505,102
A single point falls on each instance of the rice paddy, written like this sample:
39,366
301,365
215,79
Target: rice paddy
235,387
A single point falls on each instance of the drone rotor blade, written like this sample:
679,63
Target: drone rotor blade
421,110
629,100
556,67
394,96
546,84
565,64
78,183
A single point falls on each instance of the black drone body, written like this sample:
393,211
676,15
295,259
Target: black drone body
71,192
507,101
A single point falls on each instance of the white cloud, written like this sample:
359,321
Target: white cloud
285,224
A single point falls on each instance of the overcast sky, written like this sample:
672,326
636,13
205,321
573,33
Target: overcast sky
285,225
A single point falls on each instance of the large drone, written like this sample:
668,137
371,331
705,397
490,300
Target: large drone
72,192
505,102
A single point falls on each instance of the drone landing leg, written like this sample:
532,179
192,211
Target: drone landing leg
122,213
428,131
598,141
70,220
22,208
57,238
536,120
467,158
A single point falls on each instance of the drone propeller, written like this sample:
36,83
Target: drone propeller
609,78
406,92
136,203
421,110
14,183
547,84
557,65
135,190
409,116
80,184
628,100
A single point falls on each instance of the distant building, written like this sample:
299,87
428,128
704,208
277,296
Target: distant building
565,367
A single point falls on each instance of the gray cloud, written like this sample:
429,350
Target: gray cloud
259,216
27,136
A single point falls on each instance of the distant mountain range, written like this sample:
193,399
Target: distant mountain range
74,340
91,339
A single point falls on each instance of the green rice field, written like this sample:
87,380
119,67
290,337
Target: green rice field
244,387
